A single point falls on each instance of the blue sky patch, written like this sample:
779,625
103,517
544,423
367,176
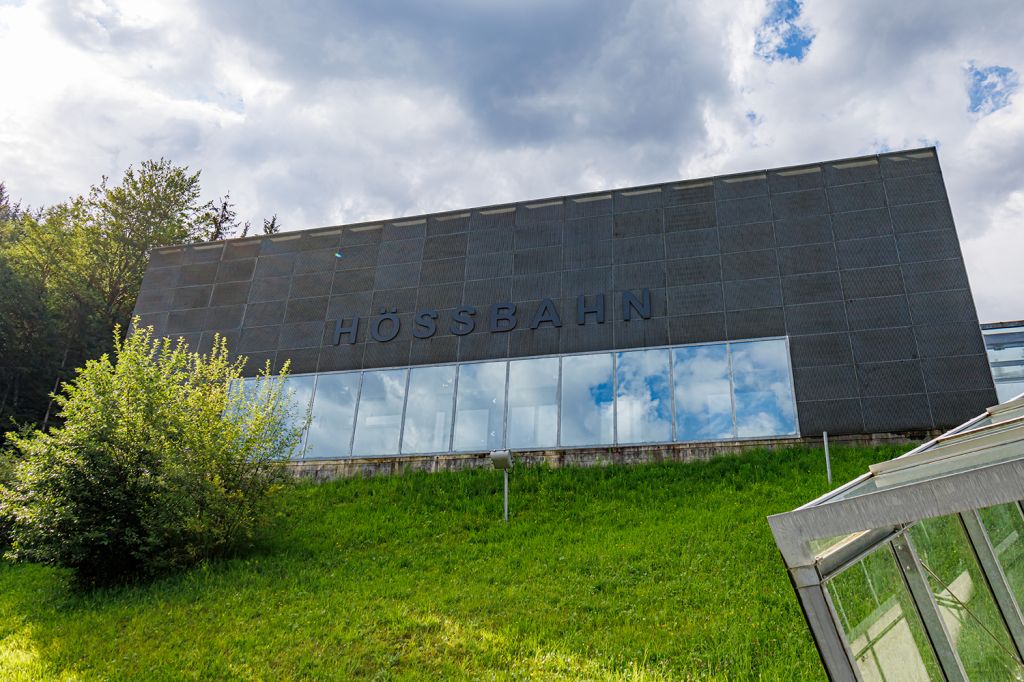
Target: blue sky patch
990,87
782,37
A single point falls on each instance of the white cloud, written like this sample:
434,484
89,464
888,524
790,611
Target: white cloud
351,112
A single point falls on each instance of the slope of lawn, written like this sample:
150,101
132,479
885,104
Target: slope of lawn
662,571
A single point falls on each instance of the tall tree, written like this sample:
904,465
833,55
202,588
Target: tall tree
223,222
271,226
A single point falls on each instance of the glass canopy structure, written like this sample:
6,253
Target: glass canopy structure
915,570
701,392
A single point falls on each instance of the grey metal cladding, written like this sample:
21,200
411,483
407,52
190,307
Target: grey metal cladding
637,224
749,324
692,243
270,289
262,314
834,416
890,378
397,276
855,261
871,222
348,281
934,215
883,345
924,246
812,288
742,185
943,340
748,237
871,282
485,265
537,235
806,259
695,192
750,264
798,231
749,210
935,275
753,293
685,271
894,413
959,406
808,202
794,179
542,212
400,251
815,318
965,372
696,328
943,307
852,171
696,298
857,197
277,265
306,310
454,223
878,313
640,334
638,249
914,189
487,291
897,165
637,199
160,278
826,382
593,205
313,284
489,241
867,253
690,217
245,248
442,271
818,350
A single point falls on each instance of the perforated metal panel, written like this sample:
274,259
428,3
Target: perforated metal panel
855,261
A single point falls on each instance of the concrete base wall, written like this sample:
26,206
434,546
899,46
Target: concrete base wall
324,469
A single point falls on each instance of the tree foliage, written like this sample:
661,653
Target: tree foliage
161,461
71,272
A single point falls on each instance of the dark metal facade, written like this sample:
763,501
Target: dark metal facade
856,261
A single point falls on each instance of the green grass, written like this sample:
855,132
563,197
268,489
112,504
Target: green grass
664,571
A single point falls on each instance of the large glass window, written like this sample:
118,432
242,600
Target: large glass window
533,403
880,622
702,392
587,400
657,395
428,410
334,410
762,389
480,407
964,600
301,389
643,396
379,417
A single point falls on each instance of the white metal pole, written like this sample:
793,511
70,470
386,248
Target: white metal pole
505,471
828,460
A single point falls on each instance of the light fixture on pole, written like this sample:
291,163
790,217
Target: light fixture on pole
502,459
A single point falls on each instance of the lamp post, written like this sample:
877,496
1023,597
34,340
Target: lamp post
502,459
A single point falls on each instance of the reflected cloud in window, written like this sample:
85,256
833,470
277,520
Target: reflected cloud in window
643,398
763,390
379,418
334,410
480,408
587,400
428,411
702,393
533,403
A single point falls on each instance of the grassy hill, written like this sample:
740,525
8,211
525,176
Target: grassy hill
652,572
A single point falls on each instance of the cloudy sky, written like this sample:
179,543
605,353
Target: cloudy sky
329,112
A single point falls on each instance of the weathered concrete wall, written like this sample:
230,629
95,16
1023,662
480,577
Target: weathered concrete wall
324,470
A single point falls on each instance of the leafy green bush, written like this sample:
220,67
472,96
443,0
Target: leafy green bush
162,460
